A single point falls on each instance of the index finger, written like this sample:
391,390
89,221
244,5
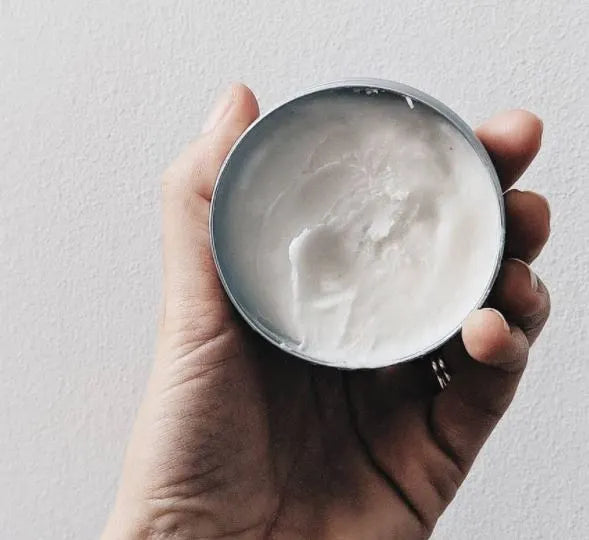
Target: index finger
513,139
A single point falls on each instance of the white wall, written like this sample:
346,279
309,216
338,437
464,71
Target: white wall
96,97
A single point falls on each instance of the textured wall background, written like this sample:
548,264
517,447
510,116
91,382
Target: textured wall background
96,98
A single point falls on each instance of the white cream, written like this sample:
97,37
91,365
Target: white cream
362,229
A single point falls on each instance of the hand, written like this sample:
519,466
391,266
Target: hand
235,439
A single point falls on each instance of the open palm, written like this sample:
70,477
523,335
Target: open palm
236,439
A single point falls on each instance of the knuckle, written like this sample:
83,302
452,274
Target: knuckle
173,181
182,178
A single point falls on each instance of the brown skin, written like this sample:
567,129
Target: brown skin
235,439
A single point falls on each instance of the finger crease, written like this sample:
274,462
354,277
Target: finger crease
444,446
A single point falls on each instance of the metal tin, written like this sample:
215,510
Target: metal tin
360,85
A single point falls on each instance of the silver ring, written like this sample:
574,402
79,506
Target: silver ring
440,372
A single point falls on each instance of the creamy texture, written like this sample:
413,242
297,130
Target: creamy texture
361,229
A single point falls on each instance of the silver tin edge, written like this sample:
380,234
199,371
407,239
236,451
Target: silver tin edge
402,90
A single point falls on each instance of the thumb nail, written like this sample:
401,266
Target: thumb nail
221,107
502,317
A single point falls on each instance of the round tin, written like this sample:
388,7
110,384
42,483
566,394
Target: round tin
229,173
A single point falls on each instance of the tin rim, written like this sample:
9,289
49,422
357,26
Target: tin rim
403,91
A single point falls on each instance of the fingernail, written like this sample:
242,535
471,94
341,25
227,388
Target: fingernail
533,277
505,323
221,107
541,128
547,205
